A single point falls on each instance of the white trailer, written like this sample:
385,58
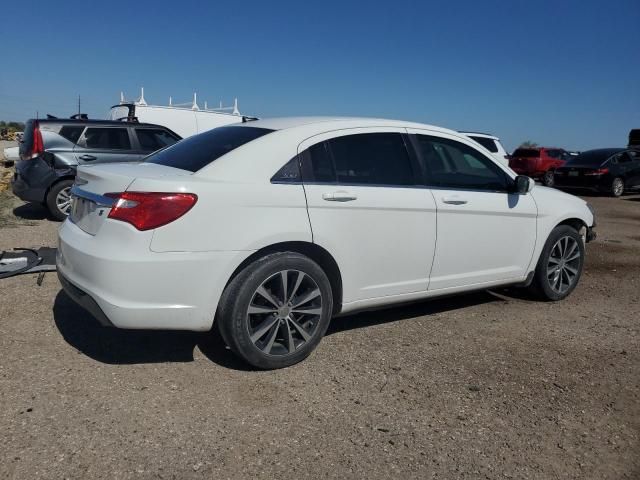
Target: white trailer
185,119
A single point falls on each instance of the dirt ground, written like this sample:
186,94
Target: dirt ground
485,385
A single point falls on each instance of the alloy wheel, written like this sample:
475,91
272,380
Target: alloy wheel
564,264
284,312
617,187
63,200
548,179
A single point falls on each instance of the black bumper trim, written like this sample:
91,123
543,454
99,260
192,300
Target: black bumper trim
83,299
591,234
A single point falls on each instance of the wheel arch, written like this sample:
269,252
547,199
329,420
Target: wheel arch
315,252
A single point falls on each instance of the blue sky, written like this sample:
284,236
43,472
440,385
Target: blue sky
563,73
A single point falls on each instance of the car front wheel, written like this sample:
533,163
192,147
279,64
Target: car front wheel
274,313
560,265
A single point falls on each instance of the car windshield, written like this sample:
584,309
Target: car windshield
526,152
593,158
197,152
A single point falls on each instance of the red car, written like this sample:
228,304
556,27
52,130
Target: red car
538,162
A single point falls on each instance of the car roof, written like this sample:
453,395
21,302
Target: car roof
331,123
74,121
605,151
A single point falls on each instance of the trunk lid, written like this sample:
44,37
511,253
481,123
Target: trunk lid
91,206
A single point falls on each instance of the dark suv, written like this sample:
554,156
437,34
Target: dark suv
51,150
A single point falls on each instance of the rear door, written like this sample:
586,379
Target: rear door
104,144
630,163
485,233
367,207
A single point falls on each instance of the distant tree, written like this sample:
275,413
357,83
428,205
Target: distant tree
528,144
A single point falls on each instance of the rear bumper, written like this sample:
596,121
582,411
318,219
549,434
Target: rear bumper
135,288
85,300
32,179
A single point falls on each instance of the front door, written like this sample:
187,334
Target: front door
367,208
485,233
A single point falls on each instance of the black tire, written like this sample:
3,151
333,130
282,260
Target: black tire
235,322
543,285
52,203
548,179
617,187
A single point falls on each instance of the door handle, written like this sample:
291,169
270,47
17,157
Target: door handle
454,200
88,158
340,196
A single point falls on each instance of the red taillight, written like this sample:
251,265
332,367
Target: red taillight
148,210
38,145
600,171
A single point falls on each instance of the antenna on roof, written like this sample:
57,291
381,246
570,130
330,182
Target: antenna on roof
195,102
142,100
235,107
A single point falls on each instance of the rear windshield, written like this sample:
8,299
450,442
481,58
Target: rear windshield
594,158
196,152
487,143
526,152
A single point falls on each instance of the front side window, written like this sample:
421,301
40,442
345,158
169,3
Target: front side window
554,153
107,138
154,139
451,164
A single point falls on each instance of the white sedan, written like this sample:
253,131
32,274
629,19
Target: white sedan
272,227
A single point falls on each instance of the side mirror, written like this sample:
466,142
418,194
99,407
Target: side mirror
523,184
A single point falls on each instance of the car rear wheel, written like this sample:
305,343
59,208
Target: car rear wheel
560,265
59,199
617,187
274,313
548,179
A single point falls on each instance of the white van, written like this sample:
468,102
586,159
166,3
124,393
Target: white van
184,119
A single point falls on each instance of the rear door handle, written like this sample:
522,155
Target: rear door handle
88,158
340,196
454,200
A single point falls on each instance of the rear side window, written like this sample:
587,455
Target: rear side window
197,152
452,164
487,143
526,153
554,153
107,138
154,139
71,133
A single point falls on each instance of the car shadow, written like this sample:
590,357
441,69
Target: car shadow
124,347
412,310
32,211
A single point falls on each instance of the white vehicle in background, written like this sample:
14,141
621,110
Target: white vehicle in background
11,154
491,143
185,119
272,227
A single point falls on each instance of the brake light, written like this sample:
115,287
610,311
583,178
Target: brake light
149,210
600,171
37,148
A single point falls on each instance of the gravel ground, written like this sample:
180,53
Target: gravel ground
485,385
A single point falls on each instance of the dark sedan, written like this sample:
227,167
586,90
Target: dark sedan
608,170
